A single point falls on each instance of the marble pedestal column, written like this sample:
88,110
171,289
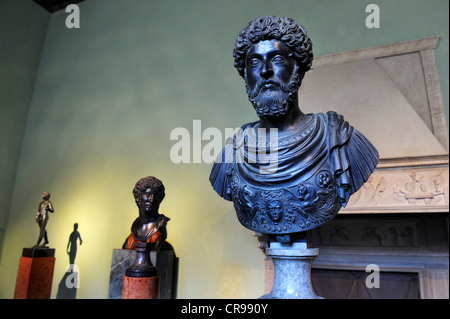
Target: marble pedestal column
292,271
35,273
141,280
165,261
140,287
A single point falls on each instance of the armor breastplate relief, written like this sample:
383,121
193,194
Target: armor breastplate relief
315,170
303,205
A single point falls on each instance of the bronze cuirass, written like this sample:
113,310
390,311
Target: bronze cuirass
278,209
294,181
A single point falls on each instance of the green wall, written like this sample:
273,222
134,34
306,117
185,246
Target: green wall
23,25
106,99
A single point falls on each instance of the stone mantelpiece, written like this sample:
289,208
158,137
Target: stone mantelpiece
410,244
390,93
398,220
404,185
409,68
397,243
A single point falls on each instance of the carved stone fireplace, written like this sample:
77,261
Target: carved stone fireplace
398,221
409,250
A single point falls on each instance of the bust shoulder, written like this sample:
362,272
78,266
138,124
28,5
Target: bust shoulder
142,232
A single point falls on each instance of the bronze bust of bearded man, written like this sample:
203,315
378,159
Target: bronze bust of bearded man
316,162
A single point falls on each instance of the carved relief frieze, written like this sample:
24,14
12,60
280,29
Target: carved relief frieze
380,233
404,185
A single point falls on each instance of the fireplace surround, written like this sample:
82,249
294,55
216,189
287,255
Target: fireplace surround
398,220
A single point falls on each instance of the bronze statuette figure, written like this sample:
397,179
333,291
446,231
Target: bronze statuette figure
42,217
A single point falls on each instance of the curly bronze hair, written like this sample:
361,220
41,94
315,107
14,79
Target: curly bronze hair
152,183
293,35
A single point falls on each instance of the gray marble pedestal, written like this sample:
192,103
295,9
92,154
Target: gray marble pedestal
165,261
292,271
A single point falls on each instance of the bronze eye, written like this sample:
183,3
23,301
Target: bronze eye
254,62
278,59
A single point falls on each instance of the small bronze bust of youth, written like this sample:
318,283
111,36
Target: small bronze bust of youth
316,161
148,231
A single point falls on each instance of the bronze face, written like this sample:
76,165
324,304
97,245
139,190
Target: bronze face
270,70
149,202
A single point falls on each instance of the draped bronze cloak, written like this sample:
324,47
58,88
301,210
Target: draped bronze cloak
295,182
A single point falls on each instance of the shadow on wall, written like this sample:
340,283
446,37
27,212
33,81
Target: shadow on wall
67,288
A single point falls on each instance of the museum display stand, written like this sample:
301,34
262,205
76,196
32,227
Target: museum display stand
165,261
35,273
140,287
141,280
292,270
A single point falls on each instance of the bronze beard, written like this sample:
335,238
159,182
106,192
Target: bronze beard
278,102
